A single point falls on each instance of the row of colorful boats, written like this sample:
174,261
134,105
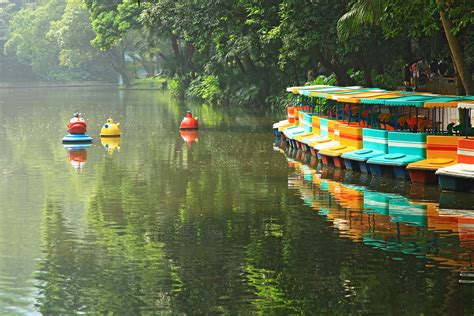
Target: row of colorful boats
383,133
389,221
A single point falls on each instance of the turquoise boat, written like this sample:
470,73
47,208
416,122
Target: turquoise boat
403,148
375,144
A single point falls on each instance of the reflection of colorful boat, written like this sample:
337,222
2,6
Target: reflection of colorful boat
189,136
456,200
77,154
110,143
387,221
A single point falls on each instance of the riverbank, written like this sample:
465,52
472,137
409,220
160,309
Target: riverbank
67,84
156,83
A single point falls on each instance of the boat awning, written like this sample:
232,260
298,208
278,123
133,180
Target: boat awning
296,90
466,105
356,97
413,100
376,96
448,102
382,98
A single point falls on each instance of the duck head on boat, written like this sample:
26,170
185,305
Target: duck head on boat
77,124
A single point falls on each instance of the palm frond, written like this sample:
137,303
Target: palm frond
361,13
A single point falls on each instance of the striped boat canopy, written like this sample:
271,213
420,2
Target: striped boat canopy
376,96
466,105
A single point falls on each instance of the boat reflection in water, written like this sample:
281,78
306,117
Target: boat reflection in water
396,217
77,154
189,136
111,144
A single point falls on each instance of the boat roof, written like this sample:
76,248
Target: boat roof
377,96
466,105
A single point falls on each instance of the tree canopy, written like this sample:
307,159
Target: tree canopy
239,51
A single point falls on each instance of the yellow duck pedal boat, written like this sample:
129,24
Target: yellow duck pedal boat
110,129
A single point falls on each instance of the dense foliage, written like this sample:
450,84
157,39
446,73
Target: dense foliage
238,51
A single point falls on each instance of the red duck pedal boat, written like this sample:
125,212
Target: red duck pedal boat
189,122
77,125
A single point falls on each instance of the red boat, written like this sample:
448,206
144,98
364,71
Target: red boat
189,122
77,125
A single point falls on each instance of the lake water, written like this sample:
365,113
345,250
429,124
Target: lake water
159,223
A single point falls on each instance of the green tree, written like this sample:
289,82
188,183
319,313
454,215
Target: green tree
28,38
417,18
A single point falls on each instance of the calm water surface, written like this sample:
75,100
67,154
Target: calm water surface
227,224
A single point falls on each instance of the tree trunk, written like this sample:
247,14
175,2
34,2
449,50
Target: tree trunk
117,60
341,75
456,51
177,54
148,66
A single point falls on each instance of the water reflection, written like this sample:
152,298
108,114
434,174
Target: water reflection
111,144
393,222
77,154
161,229
189,136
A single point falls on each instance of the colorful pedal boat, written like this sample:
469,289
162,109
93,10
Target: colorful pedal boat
331,129
440,152
277,125
375,144
350,138
458,177
403,148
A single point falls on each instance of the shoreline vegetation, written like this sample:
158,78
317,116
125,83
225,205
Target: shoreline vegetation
156,83
243,53
59,84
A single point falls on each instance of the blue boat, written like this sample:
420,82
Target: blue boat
77,138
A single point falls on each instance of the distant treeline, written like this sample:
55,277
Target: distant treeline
242,51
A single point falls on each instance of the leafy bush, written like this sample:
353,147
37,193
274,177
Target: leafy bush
279,102
206,88
323,79
176,87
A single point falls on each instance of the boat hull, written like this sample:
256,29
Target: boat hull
77,138
423,176
458,184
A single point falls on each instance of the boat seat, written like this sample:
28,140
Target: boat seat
309,140
327,144
396,159
432,164
460,170
336,151
362,154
